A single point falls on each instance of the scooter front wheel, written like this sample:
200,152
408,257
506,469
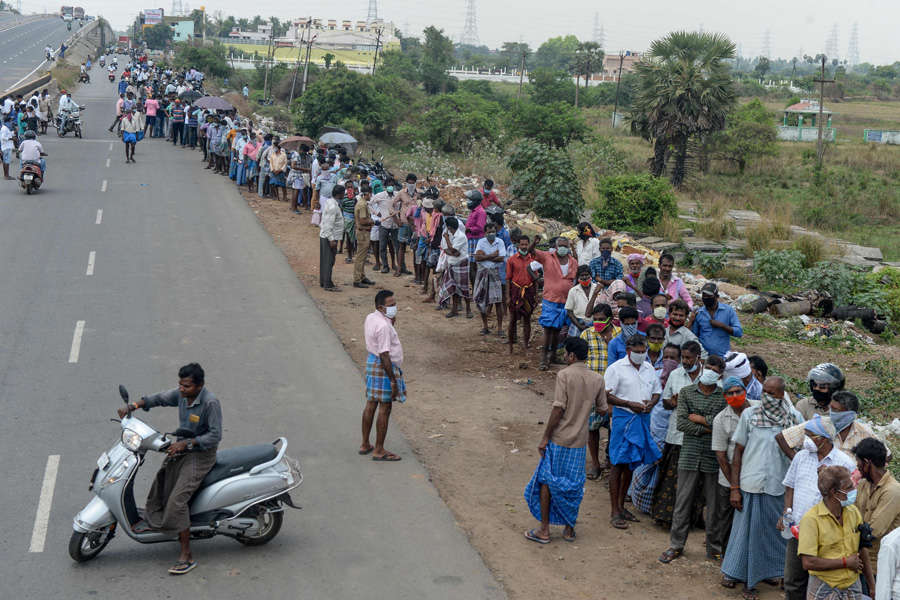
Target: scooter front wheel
85,546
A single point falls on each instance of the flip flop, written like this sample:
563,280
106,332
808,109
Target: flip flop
669,555
630,517
364,452
182,567
729,583
531,535
389,457
570,538
618,522
593,475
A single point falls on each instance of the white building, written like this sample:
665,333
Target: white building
332,34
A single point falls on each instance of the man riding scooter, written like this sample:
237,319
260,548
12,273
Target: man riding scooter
188,460
30,150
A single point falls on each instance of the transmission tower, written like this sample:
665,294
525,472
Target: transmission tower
831,43
767,44
853,49
470,31
176,8
373,11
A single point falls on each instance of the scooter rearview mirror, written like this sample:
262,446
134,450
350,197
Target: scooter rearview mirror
124,393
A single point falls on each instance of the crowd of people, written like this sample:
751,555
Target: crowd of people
698,434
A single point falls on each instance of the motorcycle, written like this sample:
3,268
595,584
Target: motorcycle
31,176
102,63
72,122
242,497
112,77
84,78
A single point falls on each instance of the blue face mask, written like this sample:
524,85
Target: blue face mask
851,498
842,419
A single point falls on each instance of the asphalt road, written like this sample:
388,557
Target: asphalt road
184,272
22,46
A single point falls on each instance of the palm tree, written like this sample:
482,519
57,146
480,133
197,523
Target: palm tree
684,90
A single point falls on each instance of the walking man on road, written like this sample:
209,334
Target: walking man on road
330,232
384,377
188,459
556,489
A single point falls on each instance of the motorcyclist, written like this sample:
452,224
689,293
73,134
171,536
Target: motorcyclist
66,107
31,150
189,459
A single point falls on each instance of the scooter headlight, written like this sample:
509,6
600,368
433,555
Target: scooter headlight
131,439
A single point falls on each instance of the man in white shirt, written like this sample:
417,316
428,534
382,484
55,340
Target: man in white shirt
31,149
887,584
801,492
331,230
633,389
6,148
455,283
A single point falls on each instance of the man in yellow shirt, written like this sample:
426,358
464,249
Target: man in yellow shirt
828,544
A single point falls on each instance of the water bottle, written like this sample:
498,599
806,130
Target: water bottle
786,522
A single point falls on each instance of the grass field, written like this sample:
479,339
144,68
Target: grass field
349,57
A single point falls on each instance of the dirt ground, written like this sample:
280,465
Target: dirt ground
474,417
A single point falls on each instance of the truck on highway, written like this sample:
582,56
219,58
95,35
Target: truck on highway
66,13
78,13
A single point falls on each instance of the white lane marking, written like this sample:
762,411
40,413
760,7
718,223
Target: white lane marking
110,149
107,161
99,216
76,342
42,518
103,186
91,258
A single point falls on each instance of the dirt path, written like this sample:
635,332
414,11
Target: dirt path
474,417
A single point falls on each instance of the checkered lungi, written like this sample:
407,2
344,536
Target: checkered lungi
455,282
378,384
488,289
473,245
349,226
522,299
562,470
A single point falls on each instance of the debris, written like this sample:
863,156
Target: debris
435,435
787,309
751,303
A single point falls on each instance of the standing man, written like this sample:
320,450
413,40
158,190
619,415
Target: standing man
633,389
879,494
177,116
475,227
715,323
330,232
388,210
490,254
559,275
407,199
455,284
598,337
188,459
556,489
363,220
698,404
522,294
7,145
384,376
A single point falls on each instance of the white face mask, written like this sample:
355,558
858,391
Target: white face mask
637,358
709,377
390,311
809,445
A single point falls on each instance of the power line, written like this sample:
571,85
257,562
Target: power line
470,31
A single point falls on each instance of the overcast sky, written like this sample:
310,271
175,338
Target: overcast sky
793,26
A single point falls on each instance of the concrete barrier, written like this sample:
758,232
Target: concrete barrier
30,86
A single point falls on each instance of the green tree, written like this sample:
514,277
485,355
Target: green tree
328,58
212,60
511,55
542,180
632,202
454,120
437,57
400,64
761,68
557,53
337,95
750,133
549,86
552,124
684,90
159,36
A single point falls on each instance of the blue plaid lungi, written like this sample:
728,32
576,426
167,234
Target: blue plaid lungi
562,470
630,442
755,549
378,384
473,244
553,314
421,251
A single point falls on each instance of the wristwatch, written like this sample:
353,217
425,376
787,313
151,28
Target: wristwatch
190,444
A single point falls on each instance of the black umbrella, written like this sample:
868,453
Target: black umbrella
190,95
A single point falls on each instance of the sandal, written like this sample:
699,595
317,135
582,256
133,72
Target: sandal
593,475
630,517
485,331
729,583
669,555
751,594
389,457
570,538
182,567
532,535
618,522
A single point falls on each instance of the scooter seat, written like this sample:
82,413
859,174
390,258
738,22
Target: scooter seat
234,461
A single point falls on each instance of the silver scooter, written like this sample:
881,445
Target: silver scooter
242,497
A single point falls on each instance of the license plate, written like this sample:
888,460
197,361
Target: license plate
103,461
28,177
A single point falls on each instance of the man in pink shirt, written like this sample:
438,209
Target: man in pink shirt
119,104
672,286
384,377
474,227
151,105
559,276
489,195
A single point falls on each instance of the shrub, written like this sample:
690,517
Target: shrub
633,202
555,124
425,160
812,247
456,119
541,178
779,267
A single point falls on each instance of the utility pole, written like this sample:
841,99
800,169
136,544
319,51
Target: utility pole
377,45
203,10
299,56
521,74
269,52
820,146
306,68
618,82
